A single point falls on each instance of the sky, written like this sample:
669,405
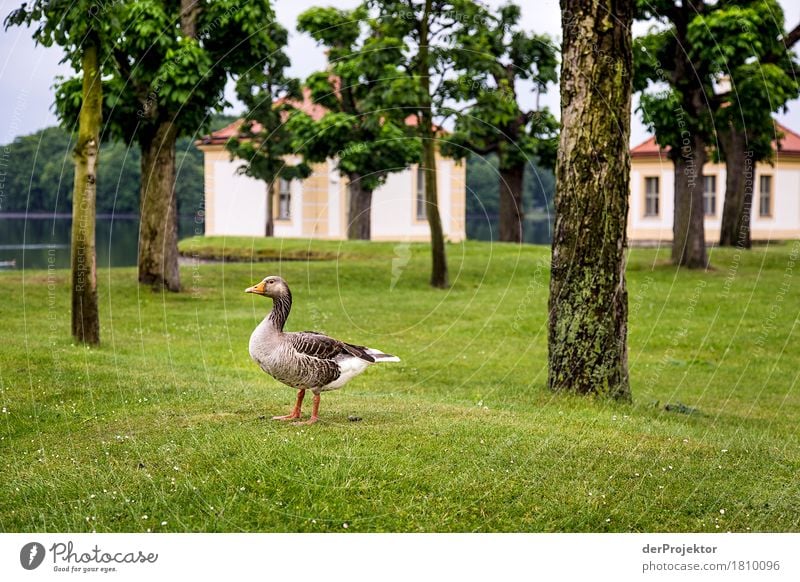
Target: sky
28,71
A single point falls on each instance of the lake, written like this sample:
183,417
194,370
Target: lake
29,241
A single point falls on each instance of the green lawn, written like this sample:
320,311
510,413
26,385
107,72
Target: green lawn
162,428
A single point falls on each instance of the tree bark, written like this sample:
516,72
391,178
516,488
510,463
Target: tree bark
439,276
511,212
688,229
158,227
83,257
359,223
735,229
269,227
588,306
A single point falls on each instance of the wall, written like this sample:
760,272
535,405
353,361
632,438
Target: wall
236,204
783,224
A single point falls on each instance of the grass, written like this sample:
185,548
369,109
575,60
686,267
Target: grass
161,428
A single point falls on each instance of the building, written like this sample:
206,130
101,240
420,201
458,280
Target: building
776,194
316,207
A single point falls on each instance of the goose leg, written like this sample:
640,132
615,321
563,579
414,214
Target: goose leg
295,413
314,412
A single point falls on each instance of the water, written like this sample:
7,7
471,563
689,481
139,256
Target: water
30,242
537,230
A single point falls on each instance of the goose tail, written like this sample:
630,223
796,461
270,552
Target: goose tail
382,356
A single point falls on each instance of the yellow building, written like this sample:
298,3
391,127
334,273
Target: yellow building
776,193
316,207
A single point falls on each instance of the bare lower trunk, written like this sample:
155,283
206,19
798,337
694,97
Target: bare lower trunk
269,227
735,229
511,213
439,276
588,307
688,230
359,221
158,227
83,259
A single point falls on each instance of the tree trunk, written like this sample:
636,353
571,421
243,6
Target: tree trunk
688,230
158,227
511,212
735,229
588,307
83,258
439,276
269,227
359,221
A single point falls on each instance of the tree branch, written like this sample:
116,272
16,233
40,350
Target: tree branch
790,39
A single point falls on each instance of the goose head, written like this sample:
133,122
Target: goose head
271,286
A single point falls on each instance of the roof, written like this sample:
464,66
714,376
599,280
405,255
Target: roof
221,136
788,144
307,105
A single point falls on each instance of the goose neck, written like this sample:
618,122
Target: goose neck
281,305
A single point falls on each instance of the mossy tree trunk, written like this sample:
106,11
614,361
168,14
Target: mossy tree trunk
511,213
360,208
439,275
688,229
588,307
735,229
158,227
83,258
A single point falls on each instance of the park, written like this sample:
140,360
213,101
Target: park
580,328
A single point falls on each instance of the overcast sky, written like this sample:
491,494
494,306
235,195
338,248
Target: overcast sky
27,71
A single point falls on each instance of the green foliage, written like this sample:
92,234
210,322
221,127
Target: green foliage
264,140
751,55
462,435
160,74
737,43
491,57
70,24
366,95
40,179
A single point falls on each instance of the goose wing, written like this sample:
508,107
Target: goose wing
323,347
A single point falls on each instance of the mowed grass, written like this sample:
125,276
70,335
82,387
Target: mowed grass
163,427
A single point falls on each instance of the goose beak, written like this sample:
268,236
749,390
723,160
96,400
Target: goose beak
258,289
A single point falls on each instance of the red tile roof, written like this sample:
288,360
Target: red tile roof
314,110
789,145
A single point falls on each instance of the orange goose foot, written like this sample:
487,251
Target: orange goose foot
295,413
314,413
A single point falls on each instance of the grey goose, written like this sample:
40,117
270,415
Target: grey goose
306,360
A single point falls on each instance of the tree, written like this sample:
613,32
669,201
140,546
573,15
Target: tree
491,62
751,58
588,297
85,41
368,139
167,76
263,140
425,28
679,115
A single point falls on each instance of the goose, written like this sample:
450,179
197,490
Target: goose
306,360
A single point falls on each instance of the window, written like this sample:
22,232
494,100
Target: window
284,199
710,195
421,194
765,196
651,198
